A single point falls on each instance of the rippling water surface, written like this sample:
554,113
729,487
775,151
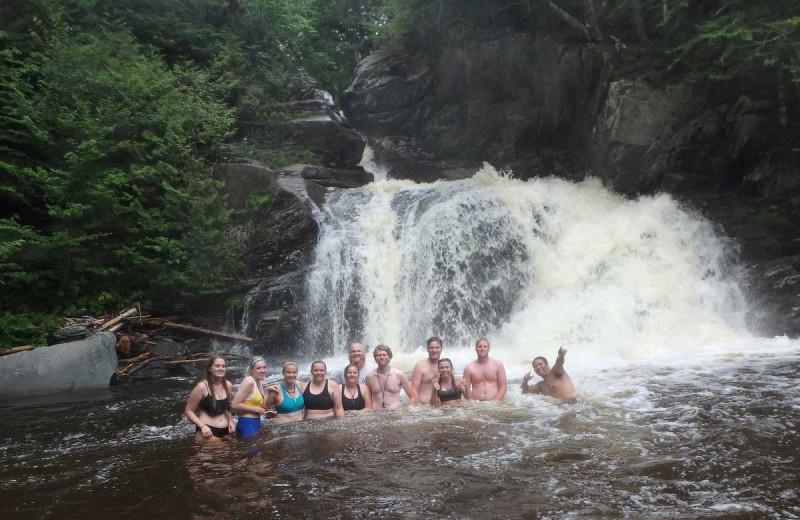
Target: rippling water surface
714,436
681,413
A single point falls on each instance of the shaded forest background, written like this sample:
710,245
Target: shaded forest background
114,111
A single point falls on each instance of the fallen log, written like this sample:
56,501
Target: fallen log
189,328
184,361
16,349
137,367
136,359
110,323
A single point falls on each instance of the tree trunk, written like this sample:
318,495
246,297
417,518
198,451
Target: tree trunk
783,112
594,21
638,22
571,20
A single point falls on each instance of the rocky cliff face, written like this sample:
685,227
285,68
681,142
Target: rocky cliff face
540,105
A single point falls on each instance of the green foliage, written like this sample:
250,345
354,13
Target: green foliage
26,329
113,112
273,157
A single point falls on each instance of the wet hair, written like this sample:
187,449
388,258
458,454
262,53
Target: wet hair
483,339
434,338
344,372
383,348
452,374
542,358
321,362
452,370
287,363
254,360
209,379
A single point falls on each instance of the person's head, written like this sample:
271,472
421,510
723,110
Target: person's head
482,348
215,368
434,347
445,369
357,354
289,372
257,368
540,366
215,372
382,355
351,374
318,371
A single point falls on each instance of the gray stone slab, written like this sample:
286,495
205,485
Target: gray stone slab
78,365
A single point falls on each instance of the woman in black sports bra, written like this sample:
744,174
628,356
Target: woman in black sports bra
355,396
209,406
322,396
448,389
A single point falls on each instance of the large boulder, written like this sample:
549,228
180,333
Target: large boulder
328,138
278,255
87,364
244,180
495,99
776,306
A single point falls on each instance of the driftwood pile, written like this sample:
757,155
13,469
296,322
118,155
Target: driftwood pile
134,345
135,339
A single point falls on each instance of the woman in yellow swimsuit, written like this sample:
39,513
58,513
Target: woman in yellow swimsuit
250,401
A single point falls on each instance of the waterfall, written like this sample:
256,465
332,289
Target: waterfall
543,262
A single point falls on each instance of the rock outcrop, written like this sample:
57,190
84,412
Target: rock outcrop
544,104
82,365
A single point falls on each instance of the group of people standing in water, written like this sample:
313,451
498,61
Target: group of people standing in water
360,386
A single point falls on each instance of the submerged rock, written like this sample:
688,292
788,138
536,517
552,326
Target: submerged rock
78,365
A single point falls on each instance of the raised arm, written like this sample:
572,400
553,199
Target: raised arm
464,387
467,385
558,368
435,394
502,384
524,386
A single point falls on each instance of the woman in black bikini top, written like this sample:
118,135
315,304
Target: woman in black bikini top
448,387
208,406
322,396
355,396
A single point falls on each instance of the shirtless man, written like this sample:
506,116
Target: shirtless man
555,382
385,382
357,356
485,376
426,371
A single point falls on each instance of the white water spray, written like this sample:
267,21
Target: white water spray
530,264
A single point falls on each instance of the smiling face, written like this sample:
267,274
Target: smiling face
318,371
541,367
289,374
259,370
434,350
382,358
482,349
356,354
445,370
351,375
216,368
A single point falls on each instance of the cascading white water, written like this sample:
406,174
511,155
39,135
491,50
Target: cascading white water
545,262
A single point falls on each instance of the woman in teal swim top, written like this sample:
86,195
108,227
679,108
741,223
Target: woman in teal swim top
287,396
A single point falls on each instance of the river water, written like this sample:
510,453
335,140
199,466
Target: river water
681,412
